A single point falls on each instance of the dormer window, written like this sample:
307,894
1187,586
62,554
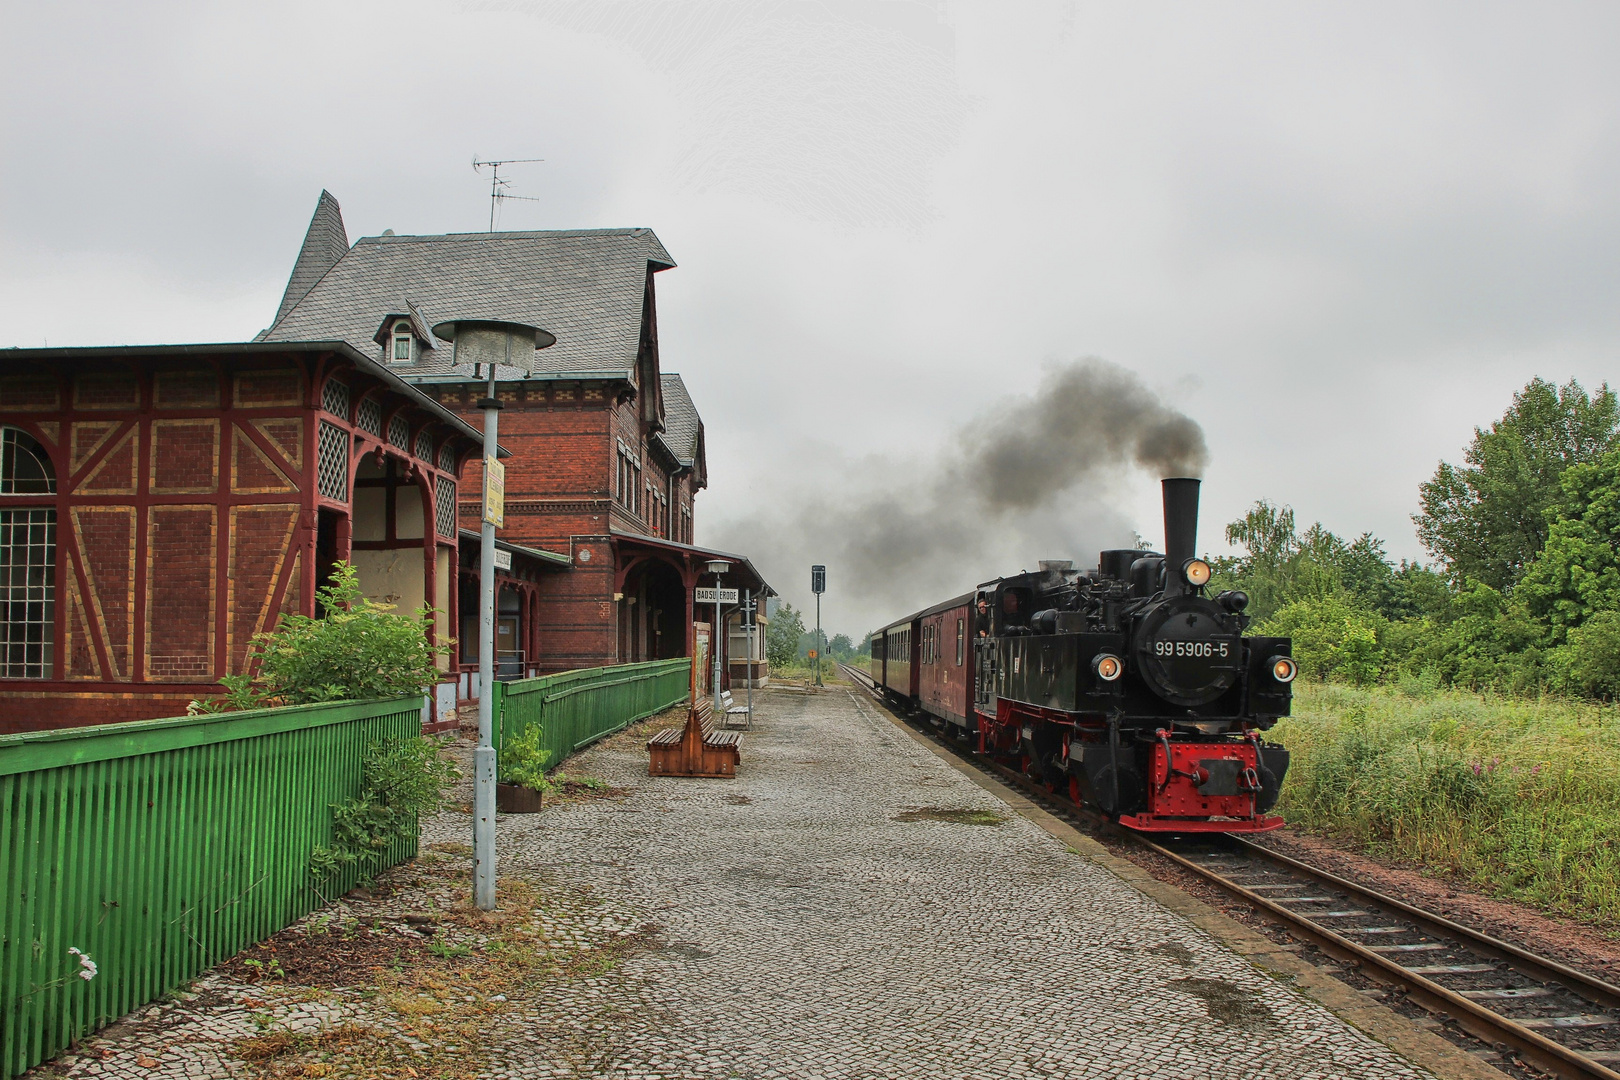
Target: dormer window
402,343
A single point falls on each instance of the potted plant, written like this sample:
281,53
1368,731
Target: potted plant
521,774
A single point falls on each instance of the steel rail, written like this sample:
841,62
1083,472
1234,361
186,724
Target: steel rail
1482,1023
1522,960
1479,1021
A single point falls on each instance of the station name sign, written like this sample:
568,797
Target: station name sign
716,596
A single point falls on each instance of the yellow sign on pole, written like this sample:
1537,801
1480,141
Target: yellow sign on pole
494,492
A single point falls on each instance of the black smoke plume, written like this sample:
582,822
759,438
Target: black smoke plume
1035,477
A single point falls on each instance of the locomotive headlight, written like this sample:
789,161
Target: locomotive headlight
1283,669
1108,667
1196,571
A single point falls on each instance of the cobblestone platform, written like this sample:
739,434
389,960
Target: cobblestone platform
852,906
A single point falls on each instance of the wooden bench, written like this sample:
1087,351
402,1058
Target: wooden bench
696,749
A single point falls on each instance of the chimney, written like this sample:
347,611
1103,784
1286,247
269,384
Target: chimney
1180,529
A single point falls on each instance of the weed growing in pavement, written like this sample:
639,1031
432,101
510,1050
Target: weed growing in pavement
401,781
433,1009
1520,798
955,816
589,783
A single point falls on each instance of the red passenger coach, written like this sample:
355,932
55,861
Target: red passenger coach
895,669
945,660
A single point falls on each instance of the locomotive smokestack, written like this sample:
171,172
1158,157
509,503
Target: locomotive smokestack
1180,529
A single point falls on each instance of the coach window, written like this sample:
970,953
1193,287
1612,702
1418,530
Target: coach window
961,639
27,559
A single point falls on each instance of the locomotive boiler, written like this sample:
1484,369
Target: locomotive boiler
1127,685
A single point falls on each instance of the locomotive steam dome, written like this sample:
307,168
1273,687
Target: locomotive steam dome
1185,652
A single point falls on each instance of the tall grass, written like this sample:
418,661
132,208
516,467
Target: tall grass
1519,798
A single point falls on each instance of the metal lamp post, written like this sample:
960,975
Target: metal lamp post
717,567
749,623
484,342
484,756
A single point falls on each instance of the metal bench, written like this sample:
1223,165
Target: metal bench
735,710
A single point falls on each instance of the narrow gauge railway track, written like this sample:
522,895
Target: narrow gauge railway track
1549,1015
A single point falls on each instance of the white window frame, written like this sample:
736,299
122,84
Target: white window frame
401,335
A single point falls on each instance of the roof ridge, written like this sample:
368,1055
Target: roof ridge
514,234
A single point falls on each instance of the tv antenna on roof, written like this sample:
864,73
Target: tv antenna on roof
497,186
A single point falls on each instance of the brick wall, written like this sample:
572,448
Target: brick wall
560,496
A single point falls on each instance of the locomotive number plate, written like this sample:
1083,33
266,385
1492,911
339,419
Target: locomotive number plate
1191,649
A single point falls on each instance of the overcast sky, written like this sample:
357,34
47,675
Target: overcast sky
1337,236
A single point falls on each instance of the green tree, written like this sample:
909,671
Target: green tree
782,636
1577,572
841,646
1487,519
1282,565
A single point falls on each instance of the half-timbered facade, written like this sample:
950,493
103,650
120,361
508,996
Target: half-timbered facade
161,505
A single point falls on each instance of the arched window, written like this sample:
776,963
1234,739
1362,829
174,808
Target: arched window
27,558
402,349
25,468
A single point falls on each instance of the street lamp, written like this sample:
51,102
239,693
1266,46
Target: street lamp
717,567
481,343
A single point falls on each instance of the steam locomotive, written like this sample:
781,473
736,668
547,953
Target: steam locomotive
1126,686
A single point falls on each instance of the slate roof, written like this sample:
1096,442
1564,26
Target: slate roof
683,427
586,286
325,242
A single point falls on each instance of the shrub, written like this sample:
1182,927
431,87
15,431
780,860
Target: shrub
1333,638
522,762
355,651
1590,662
400,781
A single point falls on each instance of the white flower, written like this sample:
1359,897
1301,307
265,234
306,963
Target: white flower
87,966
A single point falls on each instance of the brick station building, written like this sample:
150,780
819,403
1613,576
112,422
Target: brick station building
159,505
607,449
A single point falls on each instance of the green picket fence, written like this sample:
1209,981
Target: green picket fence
160,848
576,708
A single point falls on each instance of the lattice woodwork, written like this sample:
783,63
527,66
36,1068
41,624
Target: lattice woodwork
333,467
424,446
399,433
447,458
335,398
370,417
444,494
